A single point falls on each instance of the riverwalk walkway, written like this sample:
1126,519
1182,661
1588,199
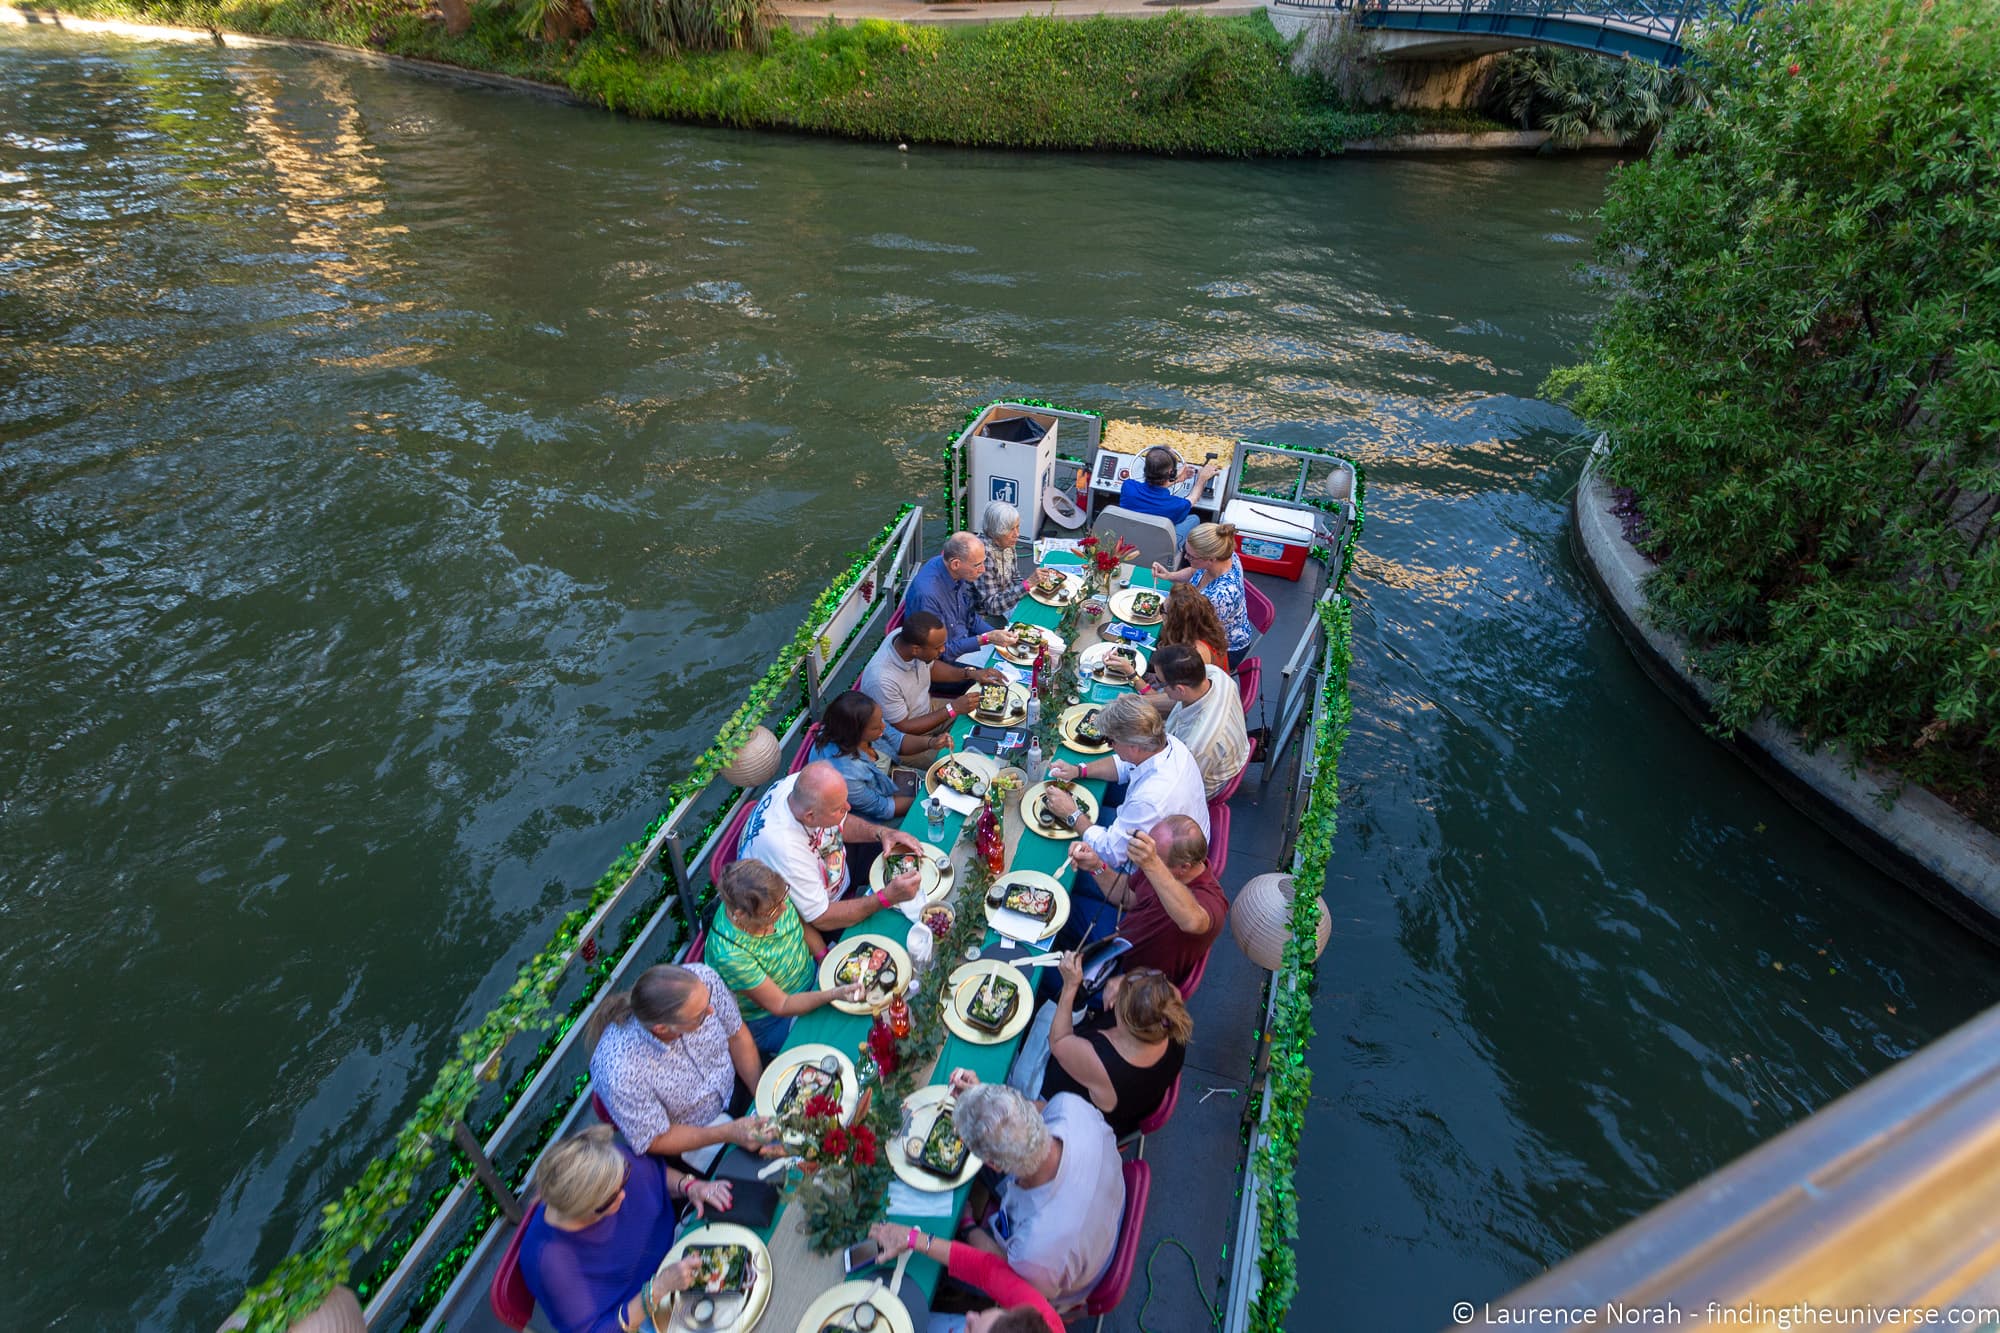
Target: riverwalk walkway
807,14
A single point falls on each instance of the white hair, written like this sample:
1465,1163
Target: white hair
1000,517
1002,1128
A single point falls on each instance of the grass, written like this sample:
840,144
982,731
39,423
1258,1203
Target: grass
1175,84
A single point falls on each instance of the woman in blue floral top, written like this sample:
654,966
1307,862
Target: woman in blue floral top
1214,568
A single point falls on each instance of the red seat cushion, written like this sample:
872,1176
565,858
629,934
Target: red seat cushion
513,1304
1262,613
1110,1288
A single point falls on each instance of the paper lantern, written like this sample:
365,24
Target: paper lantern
1261,921
339,1313
1339,484
756,763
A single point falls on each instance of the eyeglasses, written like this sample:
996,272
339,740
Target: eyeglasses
617,1194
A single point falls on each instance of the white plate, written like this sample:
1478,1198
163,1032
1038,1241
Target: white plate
1094,656
837,1303
1121,605
1031,812
981,764
829,966
934,878
923,1106
750,1308
777,1076
966,981
1027,929
1068,591
1023,652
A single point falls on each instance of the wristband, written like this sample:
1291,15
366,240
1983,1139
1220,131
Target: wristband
916,1238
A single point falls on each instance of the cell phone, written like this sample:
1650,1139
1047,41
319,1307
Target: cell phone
861,1254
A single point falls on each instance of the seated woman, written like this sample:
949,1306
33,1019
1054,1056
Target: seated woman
591,1247
847,735
1021,1309
1214,570
997,591
1064,1192
764,952
1190,618
1125,1058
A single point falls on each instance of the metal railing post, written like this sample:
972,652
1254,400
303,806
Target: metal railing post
482,1166
683,884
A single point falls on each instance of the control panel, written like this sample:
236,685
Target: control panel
1114,470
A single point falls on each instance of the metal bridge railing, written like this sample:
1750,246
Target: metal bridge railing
1661,20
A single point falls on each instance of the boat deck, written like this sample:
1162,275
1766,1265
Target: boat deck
1197,1159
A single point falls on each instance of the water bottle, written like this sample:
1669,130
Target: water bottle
1035,773
934,811
1034,710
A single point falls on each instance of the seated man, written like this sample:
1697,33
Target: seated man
1064,1192
1161,776
943,587
1173,906
1206,714
900,675
799,828
1152,496
666,1058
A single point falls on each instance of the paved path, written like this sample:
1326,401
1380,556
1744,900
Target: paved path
811,13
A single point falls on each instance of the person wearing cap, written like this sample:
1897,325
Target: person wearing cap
1150,494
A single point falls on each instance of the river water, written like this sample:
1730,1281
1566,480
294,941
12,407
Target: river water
398,483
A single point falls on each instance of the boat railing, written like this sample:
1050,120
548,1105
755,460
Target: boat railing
452,1209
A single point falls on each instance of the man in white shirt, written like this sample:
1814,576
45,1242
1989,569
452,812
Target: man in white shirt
798,829
1162,776
899,677
1207,714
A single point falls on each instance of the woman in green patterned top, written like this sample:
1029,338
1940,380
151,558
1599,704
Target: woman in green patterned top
764,953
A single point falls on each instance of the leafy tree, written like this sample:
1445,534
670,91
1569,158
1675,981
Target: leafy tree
1574,94
1802,381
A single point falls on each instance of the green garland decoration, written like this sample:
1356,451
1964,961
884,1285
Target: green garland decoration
1276,1158
358,1219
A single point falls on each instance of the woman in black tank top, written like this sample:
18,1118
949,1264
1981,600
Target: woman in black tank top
1123,1060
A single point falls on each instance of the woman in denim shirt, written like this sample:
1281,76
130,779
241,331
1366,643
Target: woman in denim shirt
848,735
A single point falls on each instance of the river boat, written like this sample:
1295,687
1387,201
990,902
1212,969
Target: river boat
438,1269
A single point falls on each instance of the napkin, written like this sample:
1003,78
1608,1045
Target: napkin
963,802
1046,546
906,1201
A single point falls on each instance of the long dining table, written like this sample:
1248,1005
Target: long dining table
800,1275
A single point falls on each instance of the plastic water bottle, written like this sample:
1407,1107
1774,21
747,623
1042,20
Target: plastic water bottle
934,811
1035,772
1034,710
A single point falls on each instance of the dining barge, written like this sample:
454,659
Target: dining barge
423,1238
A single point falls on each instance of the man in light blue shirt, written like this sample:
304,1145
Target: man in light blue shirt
943,587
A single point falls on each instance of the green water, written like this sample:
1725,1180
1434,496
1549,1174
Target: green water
399,483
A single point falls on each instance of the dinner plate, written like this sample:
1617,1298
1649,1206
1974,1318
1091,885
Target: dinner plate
935,876
1017,709
1066,726
1093,657
829,967
1031,812
1063,594
965,983
834,1309
777,1077
1016,926
1121,605
981,764
922,1107
748,1308
1023,652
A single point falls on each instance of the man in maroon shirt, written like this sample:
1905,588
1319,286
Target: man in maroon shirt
1174,906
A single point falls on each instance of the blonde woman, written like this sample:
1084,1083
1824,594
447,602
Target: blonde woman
1125,1058
1214,569
591,1248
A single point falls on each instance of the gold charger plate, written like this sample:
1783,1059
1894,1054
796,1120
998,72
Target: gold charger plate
1093,657
1121,606
981,764
1071,719
1023,652
1000,918
1063,593
755,1301
837,1303
829,967
965,983
923,1106
1017,709
935,877
777,1076
1031,812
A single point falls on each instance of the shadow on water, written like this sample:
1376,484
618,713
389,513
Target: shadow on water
401,482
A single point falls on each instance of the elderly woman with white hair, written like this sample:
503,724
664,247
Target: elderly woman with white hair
1001,587
1064,1190
591,1247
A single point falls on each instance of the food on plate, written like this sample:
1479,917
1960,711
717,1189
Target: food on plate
1121,662
1146,604
722,1268
1049,580
900,863
871,966
958,777
1086,729
1030,901
1046,817
939,918
993,1003
808,1081
993,700
941,1153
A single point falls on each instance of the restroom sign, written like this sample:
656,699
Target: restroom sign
1003,490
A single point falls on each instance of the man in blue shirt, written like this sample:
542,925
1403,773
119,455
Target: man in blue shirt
943,587
1151,496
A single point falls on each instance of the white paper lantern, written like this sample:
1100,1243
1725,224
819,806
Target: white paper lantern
339,1313
1261,921
1339,484
756,763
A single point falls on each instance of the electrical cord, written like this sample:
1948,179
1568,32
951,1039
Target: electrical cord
1194,1267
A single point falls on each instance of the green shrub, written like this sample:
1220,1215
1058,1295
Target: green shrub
691,25
1574,94
1803,381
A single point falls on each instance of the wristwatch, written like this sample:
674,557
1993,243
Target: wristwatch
1069,820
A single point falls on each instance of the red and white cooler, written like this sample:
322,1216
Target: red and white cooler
1271,539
